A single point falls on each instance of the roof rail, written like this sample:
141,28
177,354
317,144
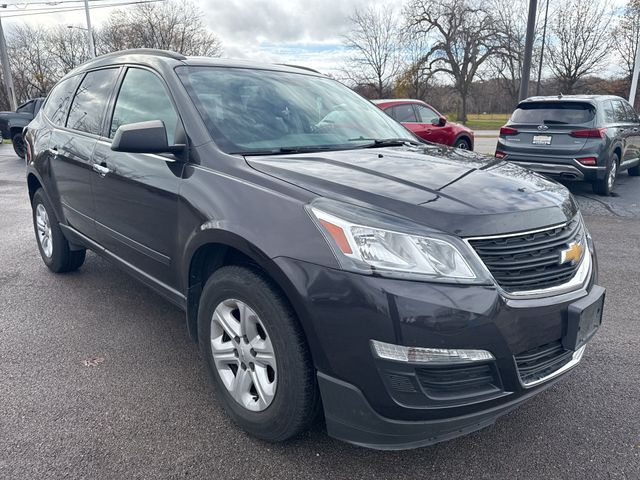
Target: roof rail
299,66
146,51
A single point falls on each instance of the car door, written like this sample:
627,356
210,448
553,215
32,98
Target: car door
624,130
136,194
71,148
634,133
429,118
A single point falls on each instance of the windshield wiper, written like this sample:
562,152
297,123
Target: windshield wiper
385,142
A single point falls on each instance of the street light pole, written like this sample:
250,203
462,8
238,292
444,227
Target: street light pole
92,48
634,77
528,50
6,70
544,38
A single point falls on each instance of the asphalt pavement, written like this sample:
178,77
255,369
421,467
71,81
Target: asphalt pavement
99,379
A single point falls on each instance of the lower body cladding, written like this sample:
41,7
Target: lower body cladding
375,400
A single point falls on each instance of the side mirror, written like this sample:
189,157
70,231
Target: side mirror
142,137
439,122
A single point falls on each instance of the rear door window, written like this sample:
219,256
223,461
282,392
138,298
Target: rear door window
57,103
632,116
88,106
404,113
554,113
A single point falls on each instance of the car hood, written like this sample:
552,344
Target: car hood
451,190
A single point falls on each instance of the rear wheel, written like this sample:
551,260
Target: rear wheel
54,247
605,186
18,145
257,354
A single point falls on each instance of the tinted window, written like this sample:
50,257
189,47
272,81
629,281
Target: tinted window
143,97
619,112
264,111
404,113
550,113
632,116
57,103
26,108
608,111
89,103
426,115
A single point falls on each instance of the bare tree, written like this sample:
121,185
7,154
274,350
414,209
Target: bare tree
464,38
413,79
627,35
69,47
580,40
32,64
373,42
171,25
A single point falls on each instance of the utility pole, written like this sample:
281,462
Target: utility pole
634,77
544,38
528,50
92,48
6,69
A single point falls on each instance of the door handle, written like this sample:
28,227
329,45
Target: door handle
102,170
53,151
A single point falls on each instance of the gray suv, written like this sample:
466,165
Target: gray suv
576,137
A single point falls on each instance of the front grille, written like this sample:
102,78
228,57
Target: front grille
530,261
542,361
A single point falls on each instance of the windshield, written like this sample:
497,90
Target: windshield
559,113
263,111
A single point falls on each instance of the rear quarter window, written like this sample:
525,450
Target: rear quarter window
560,113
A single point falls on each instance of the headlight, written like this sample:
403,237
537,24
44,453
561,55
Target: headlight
384,251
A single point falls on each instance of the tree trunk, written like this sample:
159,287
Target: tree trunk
463,112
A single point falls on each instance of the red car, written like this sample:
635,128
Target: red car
425,121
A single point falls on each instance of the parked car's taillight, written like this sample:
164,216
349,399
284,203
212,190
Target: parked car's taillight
589,133
508,131
589,161
500,154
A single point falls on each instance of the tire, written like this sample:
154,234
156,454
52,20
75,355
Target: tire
18,145
634,171
463,143
296,400
53,246
606,185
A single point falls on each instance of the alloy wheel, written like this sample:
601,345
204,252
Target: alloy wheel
44,230
243,355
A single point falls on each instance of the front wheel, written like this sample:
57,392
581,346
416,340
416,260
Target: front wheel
605,186
463,144
54,247
256,354
18,145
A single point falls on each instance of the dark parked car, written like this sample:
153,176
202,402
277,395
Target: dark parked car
574,137
12,123
411,292
425,121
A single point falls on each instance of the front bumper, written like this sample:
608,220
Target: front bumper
393,405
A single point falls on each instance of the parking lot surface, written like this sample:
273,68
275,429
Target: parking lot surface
99,379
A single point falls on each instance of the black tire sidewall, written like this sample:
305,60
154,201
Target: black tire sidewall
18,145
461,140
602,186
283,417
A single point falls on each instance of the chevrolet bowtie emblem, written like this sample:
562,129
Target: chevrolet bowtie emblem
571,254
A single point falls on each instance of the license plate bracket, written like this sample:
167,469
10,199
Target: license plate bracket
584,318
541,140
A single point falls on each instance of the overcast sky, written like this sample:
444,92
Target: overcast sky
305,32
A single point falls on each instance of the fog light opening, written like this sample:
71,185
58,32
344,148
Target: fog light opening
399,353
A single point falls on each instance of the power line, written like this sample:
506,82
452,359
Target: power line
47,11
